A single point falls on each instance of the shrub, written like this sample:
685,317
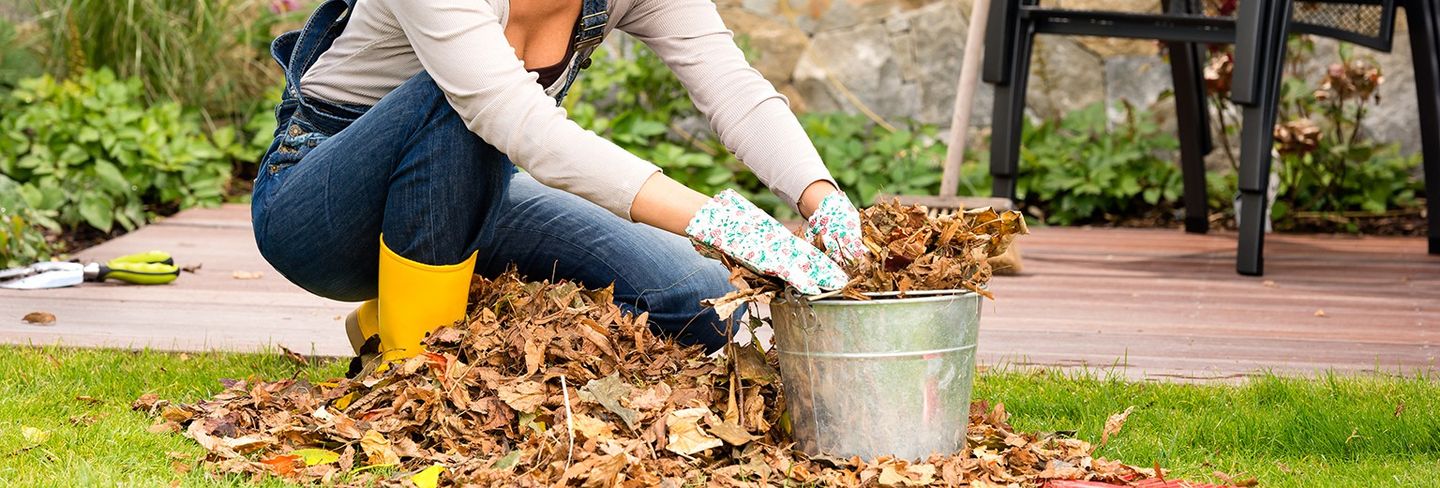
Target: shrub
22,229
1074,170
16,59
89,151
211,55
630,97
1327,163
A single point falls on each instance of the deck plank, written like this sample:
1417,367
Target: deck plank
1147,303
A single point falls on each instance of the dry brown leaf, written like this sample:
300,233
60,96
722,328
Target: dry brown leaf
1114,424
246,275
731,433
593,428
753,366
294,357
653,398
525,396
902,474
39,318
377,449
685,435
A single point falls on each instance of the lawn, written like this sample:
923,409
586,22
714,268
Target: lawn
1330,431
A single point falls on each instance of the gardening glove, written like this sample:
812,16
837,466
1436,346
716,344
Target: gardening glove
730,224
838,224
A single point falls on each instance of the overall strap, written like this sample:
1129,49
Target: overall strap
594,15
309,42
297,51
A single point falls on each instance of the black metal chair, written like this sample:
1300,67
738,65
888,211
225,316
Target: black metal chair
1258,30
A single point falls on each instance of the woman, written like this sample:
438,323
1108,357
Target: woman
391,182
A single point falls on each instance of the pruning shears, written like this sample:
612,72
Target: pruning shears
146,268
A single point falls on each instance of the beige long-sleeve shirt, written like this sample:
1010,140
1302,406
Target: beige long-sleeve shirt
462,45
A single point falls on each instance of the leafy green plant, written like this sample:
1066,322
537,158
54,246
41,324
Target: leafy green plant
90,151
210,55
630,97
23,230
1327,165
1074,170
16,59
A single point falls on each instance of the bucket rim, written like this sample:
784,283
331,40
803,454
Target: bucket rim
892,297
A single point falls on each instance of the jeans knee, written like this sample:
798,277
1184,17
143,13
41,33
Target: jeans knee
686,318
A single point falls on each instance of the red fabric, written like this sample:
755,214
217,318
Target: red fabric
1150,483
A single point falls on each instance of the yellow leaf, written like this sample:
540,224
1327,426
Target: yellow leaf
33,436
428,477
316,457
344,402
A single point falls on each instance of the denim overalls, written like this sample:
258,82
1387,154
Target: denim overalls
338,176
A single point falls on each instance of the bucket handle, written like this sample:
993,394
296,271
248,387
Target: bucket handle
801,305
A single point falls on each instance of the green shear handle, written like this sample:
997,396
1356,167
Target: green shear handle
146,268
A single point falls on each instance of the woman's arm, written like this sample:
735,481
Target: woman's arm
752,119
666,204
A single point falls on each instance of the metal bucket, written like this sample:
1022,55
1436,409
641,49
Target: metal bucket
889,376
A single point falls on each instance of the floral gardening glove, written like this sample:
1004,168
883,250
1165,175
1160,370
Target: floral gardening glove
732,225
838,224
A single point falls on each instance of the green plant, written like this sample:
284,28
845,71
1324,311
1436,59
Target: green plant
211,55
632,98
16,59
90,150
1073,170
22,229
1327,164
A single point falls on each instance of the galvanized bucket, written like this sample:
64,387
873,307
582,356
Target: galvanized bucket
889,376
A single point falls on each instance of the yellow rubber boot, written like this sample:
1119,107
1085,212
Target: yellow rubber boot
417,298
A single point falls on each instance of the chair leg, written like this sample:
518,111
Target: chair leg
1194,132
1424,19
1265,61
1008,121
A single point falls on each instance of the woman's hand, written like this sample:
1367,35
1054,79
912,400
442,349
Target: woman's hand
732,225
837,223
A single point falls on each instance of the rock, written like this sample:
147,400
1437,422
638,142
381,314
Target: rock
1063,77
1138,80
938,32
842,14
845,69
776,45
1395,119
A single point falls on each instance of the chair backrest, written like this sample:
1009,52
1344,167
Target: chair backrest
1369,23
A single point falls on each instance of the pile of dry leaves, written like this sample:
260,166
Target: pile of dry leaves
909,250
551,384
913,251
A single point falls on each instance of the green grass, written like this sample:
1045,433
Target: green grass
1326,431
1331,431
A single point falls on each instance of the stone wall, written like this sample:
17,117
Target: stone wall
901,59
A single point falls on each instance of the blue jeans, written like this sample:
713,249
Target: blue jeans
410,169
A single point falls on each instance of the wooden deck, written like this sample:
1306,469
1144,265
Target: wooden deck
1156,304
